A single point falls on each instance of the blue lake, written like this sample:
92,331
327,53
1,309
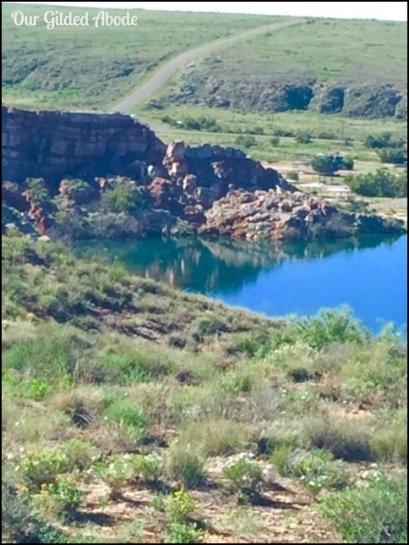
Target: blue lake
368,274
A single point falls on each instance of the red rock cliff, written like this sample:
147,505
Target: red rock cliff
51,145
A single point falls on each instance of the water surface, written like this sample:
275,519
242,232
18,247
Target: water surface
368,274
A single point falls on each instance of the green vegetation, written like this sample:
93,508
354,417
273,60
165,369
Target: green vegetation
92,68
382,183
330,66
102,411
330,135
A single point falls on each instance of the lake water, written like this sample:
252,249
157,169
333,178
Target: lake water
368,274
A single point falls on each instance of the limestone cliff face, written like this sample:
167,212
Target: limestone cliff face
51,145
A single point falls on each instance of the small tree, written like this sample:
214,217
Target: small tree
324,164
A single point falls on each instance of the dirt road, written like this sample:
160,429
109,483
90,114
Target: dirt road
163,75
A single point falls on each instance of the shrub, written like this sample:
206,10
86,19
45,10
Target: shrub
382,183
275,141
384,140
283,132
397,156
182,533
323,164
242,472
376,513
293,175
318,469
80,454
246,141
338,436
116,473
329,326
62,497
125,411
185,465
126,198
214,436
303,138
42,466
149,466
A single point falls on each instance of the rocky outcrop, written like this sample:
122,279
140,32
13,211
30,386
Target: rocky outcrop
74,159
277,215
53,145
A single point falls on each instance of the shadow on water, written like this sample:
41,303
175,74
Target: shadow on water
207,265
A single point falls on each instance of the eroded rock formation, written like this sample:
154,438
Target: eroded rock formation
169,189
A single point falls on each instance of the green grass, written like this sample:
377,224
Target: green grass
97,420
91,68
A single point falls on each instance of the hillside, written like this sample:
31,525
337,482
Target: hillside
330,66
136,413
91,68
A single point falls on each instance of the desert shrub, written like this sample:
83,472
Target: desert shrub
283,132
348,442
19,522
293,175
382,183
40,467
318,469
327,327
390,441
177,532
397,156
185,465
242,472
60,498
116,473
303,138
82,405
384,140
255,130
327,135
178,507
80,454
375,513
214,436
126,198
149,467
127,413
246,141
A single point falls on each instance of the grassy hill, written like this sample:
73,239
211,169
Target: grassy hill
88,67
355,67
136,413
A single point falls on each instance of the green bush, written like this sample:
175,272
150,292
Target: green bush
303,138
293,175
382,183
376,513
185,465
329,326
246,141
397,156
384,140
241,473
275,141
126,198
318,469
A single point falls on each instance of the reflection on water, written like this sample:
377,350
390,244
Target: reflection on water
275,278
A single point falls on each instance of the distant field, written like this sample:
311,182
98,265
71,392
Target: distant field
88,67
330,134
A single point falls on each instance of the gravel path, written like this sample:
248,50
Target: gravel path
163,75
